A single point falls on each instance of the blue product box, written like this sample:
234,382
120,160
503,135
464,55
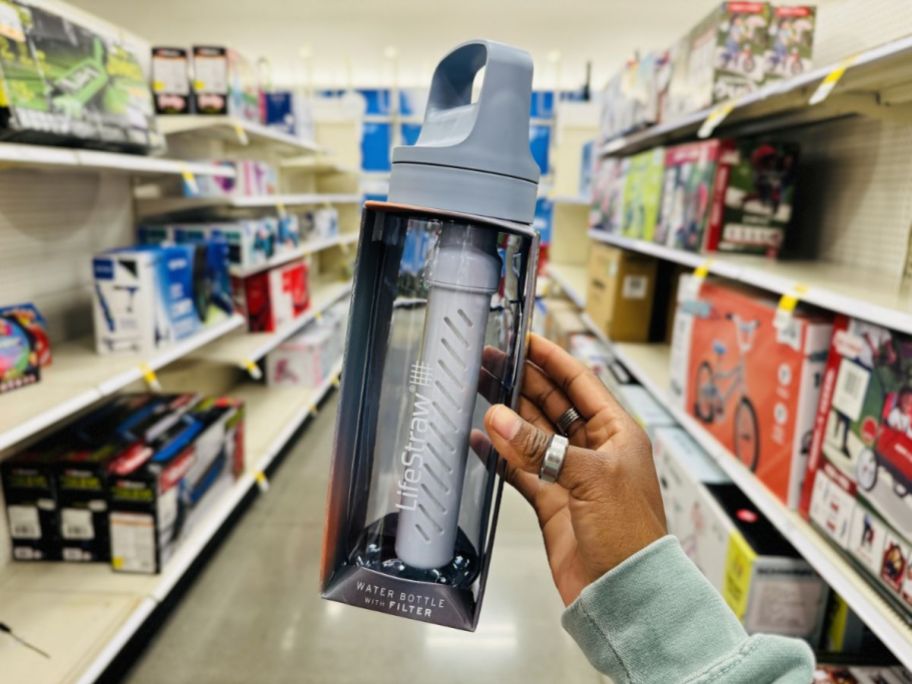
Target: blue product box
375,147
540,143
279,111
543,220
409,133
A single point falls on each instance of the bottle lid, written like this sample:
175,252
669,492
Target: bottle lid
473,157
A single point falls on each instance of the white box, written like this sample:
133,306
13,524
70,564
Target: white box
299,361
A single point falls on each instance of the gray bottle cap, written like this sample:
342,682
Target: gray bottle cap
473,157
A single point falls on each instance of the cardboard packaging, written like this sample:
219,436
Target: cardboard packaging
24,346
860,469
619,294
607,211
151,295
156,490
61,82
751,376
30,493
642,194
251,179
210,79
301,361
790,43
274,297
171,80
762,578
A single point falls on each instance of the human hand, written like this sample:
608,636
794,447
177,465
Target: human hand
606,504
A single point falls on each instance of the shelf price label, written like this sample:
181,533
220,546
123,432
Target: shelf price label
190,184
830,81
787,331
690,287
715,117
262,481
241,135
312,410
150,377
252,368
280,207
335,381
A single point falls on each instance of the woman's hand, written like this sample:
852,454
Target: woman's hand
606,504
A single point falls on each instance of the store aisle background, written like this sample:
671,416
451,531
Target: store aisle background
254,612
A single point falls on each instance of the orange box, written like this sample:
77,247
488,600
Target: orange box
751,376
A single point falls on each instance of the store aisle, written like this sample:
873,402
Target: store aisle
254,613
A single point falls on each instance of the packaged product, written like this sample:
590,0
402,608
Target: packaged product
251,179
642,194
619,292
562,321
171,80
300,361
273,297
30,494
24,346
608,194
859,478
751,376
861,674
790,43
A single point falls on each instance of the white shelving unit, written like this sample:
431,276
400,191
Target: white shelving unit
237,131
308,247
84,614
838,288
572,280
170,205
43,157
572,200
79,377
875,81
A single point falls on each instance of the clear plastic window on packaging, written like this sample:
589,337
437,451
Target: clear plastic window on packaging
440,314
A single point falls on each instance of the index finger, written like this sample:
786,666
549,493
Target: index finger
587,393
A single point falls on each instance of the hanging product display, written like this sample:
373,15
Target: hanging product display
410,521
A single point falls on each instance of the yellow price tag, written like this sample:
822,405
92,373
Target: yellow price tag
241,134
335,382
149,376
739,569
312,410
262,481
117,562
158,86
715,117
830,81
789,300
280,207
190,182
198,85
253,369
702,270
318,316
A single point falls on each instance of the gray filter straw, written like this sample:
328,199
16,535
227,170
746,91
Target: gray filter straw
471,158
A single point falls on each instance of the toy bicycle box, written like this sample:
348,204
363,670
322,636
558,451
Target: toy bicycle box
759,574
642,193
859,484
751,376
607,208
62,81
791,41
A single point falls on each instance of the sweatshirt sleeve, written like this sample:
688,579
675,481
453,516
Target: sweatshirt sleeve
656,618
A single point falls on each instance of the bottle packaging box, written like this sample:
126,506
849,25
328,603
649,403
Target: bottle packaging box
273,297
857,491
751,376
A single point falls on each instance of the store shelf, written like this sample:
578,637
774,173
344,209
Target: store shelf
42,157
572,200
317,165
572,280
307,247
172,205
245,349
84,614
842,289
649,364
79,376
237,131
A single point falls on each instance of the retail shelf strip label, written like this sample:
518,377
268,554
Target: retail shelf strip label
830,81
262,481
148,374
715,117
241,134
252,368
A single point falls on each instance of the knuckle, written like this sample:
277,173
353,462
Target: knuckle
532,444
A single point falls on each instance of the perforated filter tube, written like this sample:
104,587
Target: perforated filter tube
443,383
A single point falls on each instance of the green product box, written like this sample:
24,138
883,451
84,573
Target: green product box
791,41
61,82
642,194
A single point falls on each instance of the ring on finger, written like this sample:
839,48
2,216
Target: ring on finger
567,419
553,460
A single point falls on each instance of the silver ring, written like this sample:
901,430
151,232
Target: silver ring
568,418
554,459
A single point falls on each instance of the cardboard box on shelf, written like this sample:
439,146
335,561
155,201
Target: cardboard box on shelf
607,212
171,80
762,578
273,297
620,290
24,346
751,376
30,494
859,477
861,674
790,43
642,194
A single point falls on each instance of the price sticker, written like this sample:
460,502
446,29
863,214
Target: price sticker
280,207
318,316
715,117
702,270
262,481
787,329
150,377
158,86
190,184
241,134
690,287
335,381
312,410
831,80
253,369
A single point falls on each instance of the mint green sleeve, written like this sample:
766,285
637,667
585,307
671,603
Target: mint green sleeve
656,618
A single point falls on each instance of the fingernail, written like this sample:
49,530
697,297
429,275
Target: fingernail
505,422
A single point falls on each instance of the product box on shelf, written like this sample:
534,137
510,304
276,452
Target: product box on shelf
273,297
762,578
860,470
607,212
619,293
288,111
751,376
790,43
210,79
171,80
642,194
325,222
693,193
30,493
301,360
251,179
861,674
156,491
24,346
844,632
150,295
63,82
562,320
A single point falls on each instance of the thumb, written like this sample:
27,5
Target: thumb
523,446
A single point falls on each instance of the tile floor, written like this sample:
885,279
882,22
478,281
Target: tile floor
254,614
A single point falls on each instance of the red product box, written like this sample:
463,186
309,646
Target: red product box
859,479
751,374
271,298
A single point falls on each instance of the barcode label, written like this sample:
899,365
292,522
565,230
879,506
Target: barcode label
851,388
634,287
24,522
76,523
